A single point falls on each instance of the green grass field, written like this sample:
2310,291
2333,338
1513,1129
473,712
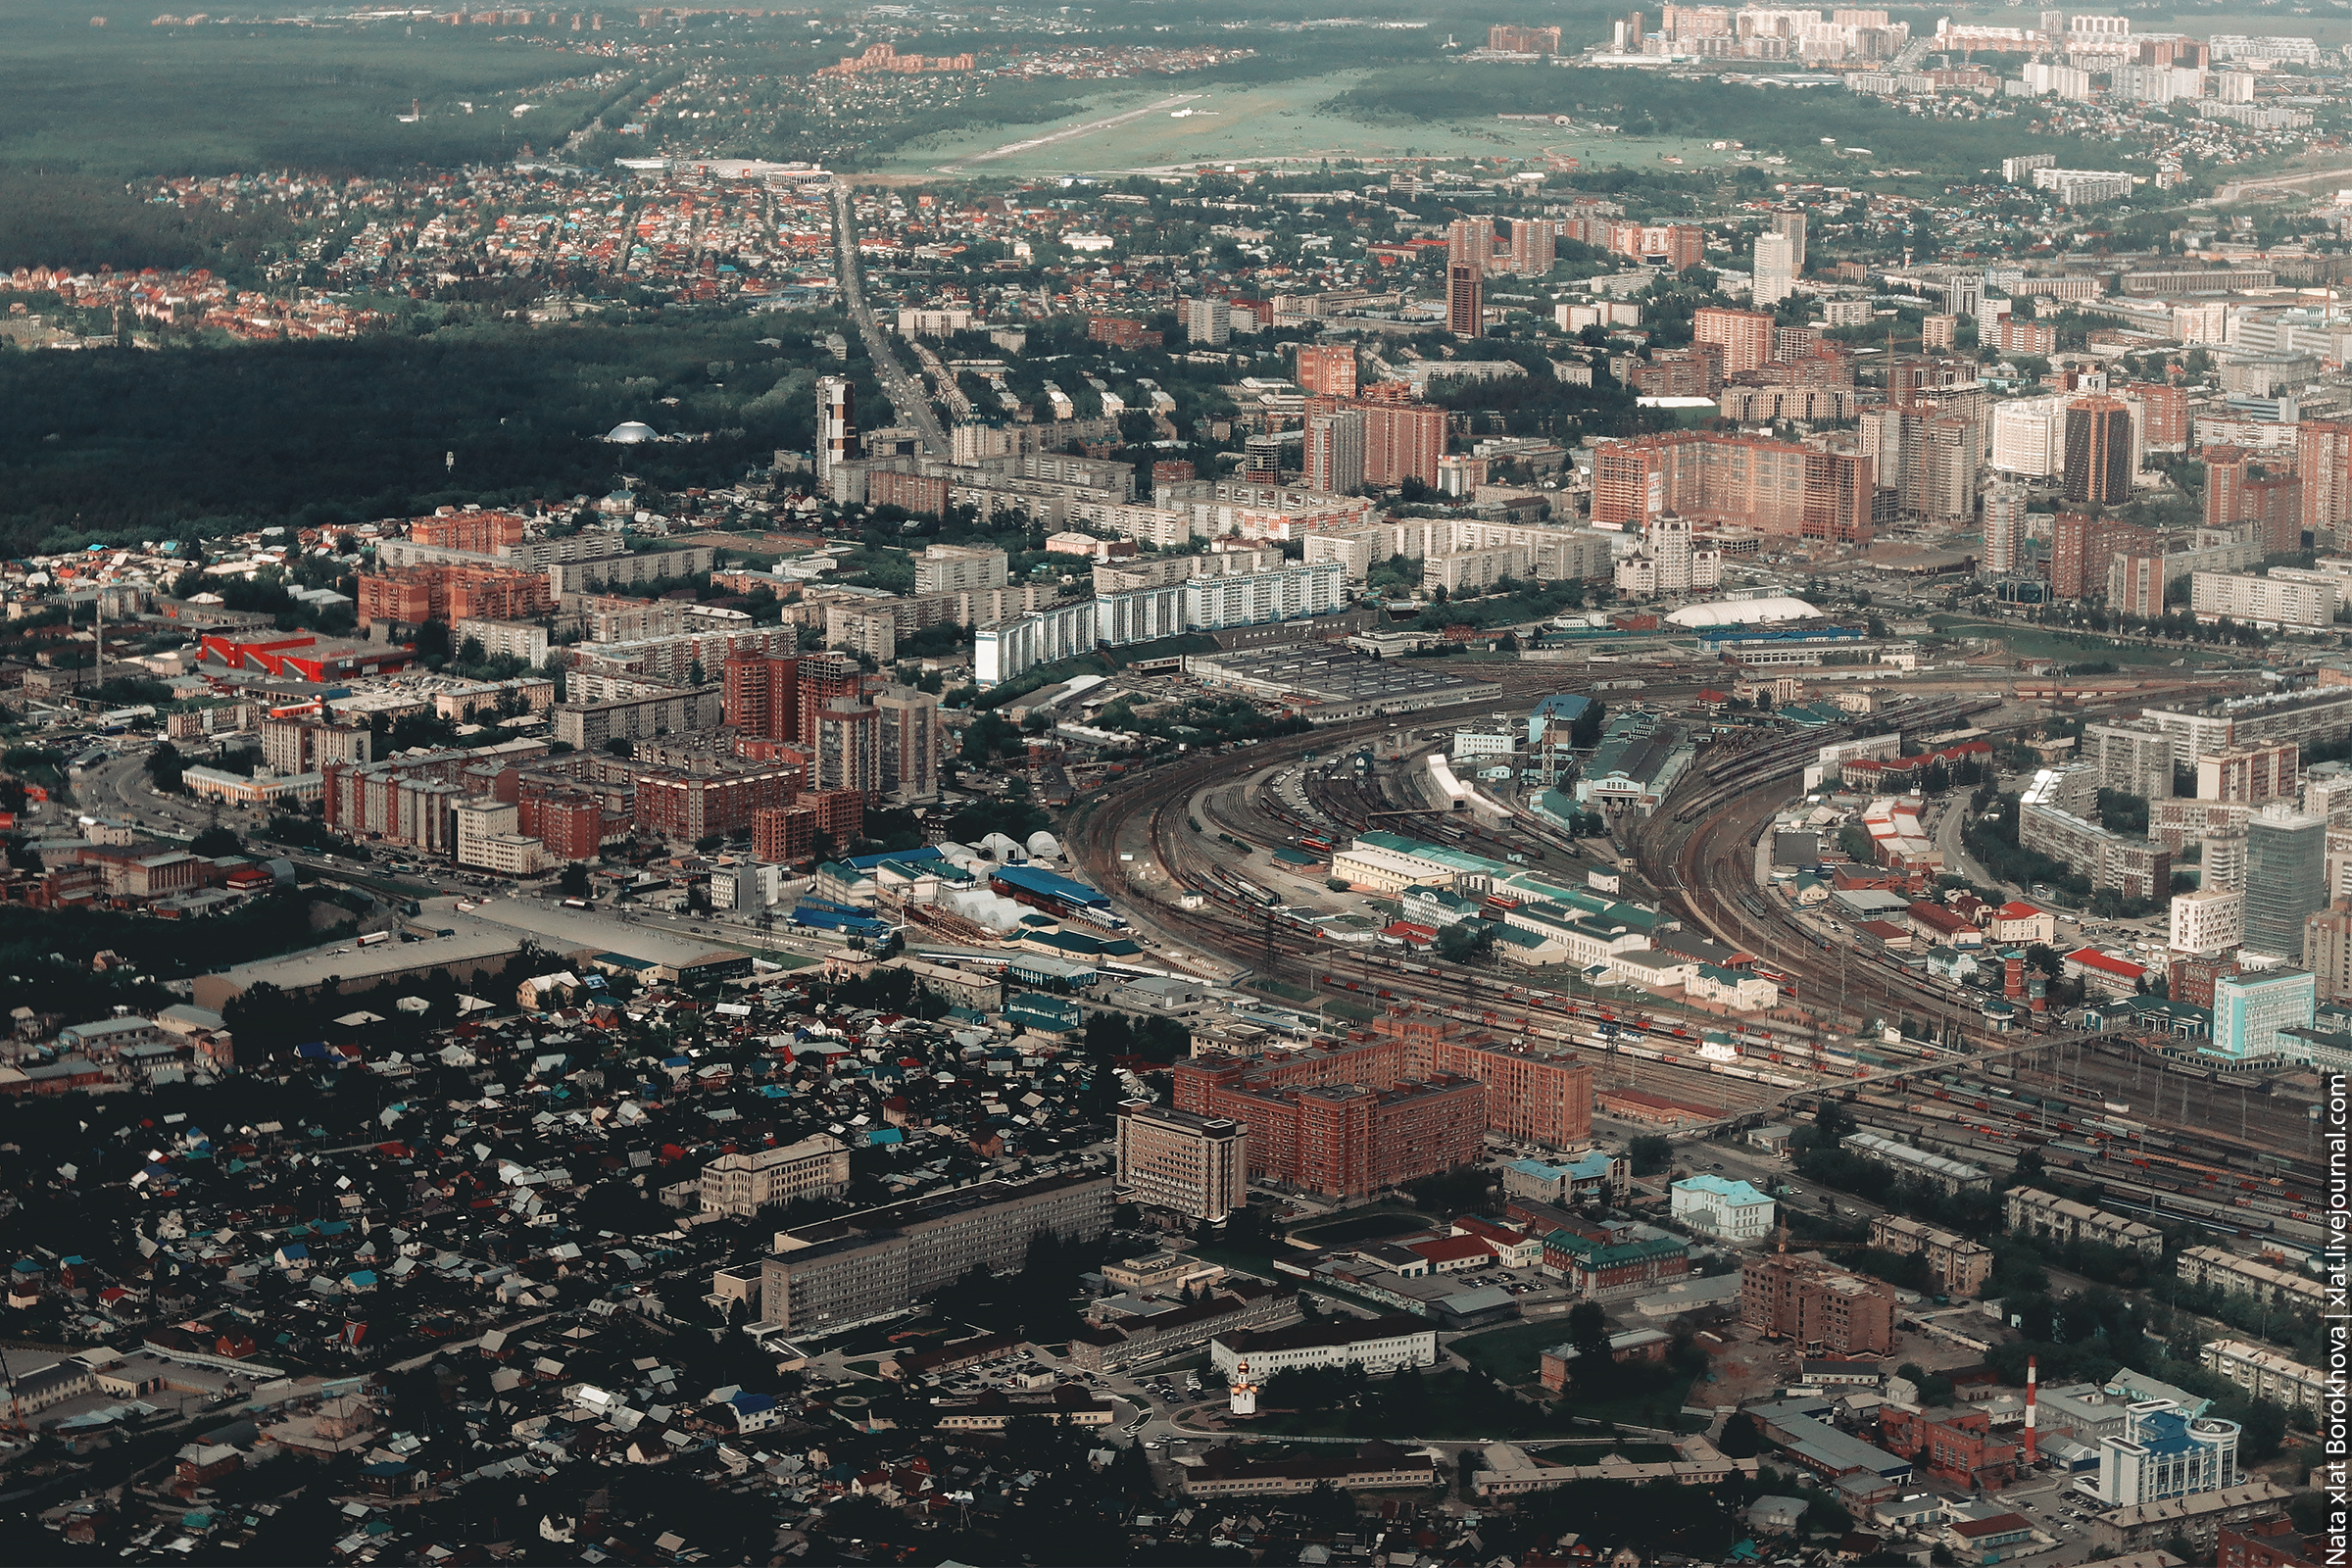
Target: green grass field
1257,123
1514,1354
2084,648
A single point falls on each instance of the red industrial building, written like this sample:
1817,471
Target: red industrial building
1958,1445
303,655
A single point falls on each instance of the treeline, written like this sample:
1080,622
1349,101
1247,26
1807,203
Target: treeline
109,447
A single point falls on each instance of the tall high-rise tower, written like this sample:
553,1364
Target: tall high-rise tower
836,426
2287,878
1466,300
2098,451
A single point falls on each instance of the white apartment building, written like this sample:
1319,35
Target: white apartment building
487,838
2284,599
2208,921
2265,1374
959,569
1214,603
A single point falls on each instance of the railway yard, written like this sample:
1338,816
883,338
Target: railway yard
1189,853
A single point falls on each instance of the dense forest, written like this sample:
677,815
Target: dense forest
113,445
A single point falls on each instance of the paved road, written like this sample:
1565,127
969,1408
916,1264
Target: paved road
906,398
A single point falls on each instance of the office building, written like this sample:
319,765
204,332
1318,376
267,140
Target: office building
1530,1097
742,1183
868,1265
836,428
1192,1165
1335,451
1466,300
1774,276
2098,451
1823,1309
2252,1008
1377,1344
1729,1210
2287,878
2163,1452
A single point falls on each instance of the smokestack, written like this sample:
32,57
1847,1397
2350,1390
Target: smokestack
2033,1383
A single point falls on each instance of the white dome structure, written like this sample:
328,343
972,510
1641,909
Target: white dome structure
630,432
1042,846
1743,611
1000,848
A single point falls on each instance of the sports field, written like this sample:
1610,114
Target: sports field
1168,124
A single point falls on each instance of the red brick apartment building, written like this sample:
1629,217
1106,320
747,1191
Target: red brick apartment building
692,805
1401,440
480,533
1345,1139
1822,1308
1121,333
783,834
777,697
446,592
573,824
1781,488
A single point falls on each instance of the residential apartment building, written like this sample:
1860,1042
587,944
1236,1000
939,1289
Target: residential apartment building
688,806
1778,488
2269,1284
1959,1265
1189,1164
2266,1374
1820,1307
866,1265
959,569
742,1183
2046,1215
2137,867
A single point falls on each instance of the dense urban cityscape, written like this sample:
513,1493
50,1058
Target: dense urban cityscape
1557,790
